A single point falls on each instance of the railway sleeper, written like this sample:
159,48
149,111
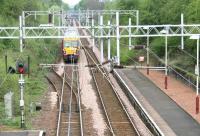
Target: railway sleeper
65,108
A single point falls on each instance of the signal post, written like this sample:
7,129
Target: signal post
21,71
21,85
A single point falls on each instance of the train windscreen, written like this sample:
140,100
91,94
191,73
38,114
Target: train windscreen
71,44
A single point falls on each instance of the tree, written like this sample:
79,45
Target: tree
89,4
193,11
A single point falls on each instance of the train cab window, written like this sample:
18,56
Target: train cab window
75,44
67,44
71,44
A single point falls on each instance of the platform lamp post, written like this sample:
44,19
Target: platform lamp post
101,40
118,38
165,31
147,28
197,37
93,38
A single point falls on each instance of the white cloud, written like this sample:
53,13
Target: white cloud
71,3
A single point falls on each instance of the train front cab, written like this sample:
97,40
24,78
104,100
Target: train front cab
70,50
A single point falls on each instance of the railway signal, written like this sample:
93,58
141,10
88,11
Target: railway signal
21,69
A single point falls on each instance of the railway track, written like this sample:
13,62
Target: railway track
70,118
117,118
69,113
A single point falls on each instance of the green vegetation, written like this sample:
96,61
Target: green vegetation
89,4
154,12
163,12
39,50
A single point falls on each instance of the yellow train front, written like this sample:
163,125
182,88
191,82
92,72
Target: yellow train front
71,46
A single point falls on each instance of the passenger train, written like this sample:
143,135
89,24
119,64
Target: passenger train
71,45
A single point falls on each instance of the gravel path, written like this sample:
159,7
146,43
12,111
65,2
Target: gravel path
47,117
89,100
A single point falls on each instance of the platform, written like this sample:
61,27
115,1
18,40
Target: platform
23,133
172,116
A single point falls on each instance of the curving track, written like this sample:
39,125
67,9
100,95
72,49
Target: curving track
69,114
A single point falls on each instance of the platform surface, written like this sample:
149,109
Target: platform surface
20,133
177,119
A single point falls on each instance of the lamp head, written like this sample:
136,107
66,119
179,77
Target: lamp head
145,27
195,37
163,31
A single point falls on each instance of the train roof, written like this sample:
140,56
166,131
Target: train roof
71,34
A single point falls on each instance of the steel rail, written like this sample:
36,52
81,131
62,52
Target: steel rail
74,86
156,128
97,65
70,106
79,104
109,126
118,97
73,90
60,107
120,100
115,92
66,76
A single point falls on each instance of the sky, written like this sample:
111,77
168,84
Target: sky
71,3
